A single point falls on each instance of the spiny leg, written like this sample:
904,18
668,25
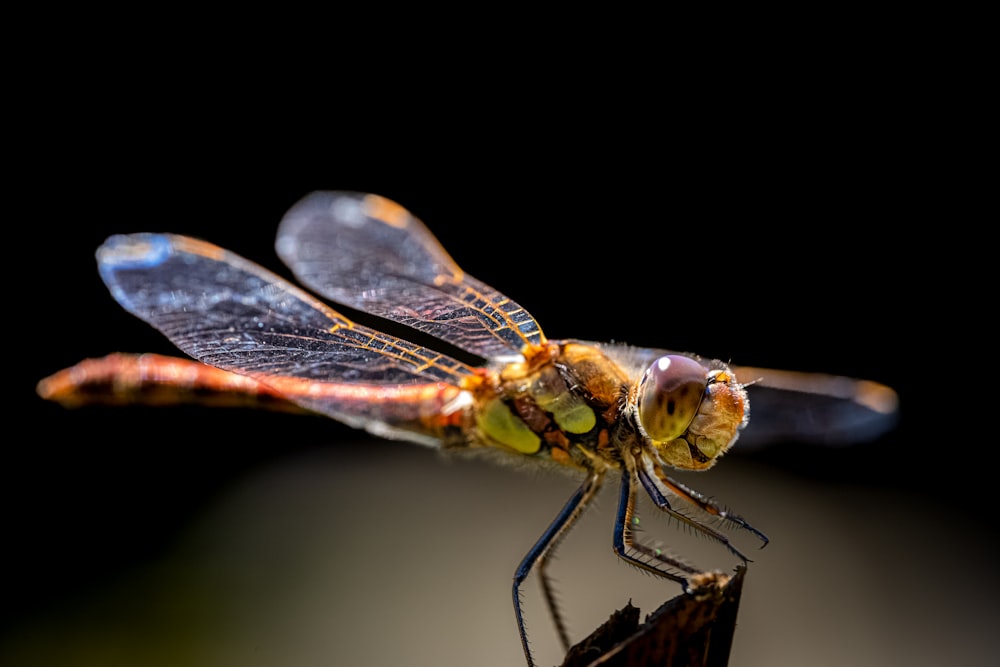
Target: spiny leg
543,548
646,558
657,483
548,591
661,502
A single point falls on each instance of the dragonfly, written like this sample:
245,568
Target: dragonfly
596,409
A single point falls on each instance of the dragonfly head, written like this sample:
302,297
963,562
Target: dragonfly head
690,414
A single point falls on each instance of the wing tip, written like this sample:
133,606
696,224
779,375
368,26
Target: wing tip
877,397
133,251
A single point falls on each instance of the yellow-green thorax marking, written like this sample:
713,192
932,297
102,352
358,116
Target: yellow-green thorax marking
554,404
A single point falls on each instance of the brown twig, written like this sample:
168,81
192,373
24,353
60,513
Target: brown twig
691,630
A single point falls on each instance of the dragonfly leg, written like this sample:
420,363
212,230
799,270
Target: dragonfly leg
644,557
657,485
542,549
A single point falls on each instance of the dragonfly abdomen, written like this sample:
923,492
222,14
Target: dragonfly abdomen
154,379
428,413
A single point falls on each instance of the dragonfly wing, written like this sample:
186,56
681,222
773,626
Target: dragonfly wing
792,406
371,254
232,314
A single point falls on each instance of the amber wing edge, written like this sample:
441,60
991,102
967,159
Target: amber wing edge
694,629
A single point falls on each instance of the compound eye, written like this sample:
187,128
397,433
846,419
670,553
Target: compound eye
670,394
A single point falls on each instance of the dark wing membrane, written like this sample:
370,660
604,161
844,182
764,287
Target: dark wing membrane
791,406
232,314
371,254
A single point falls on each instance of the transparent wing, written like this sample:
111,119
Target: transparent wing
814,407
794,406
232,314
371,254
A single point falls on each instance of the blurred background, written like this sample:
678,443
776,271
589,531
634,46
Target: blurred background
766,235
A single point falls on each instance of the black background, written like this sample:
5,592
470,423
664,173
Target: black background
782,236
